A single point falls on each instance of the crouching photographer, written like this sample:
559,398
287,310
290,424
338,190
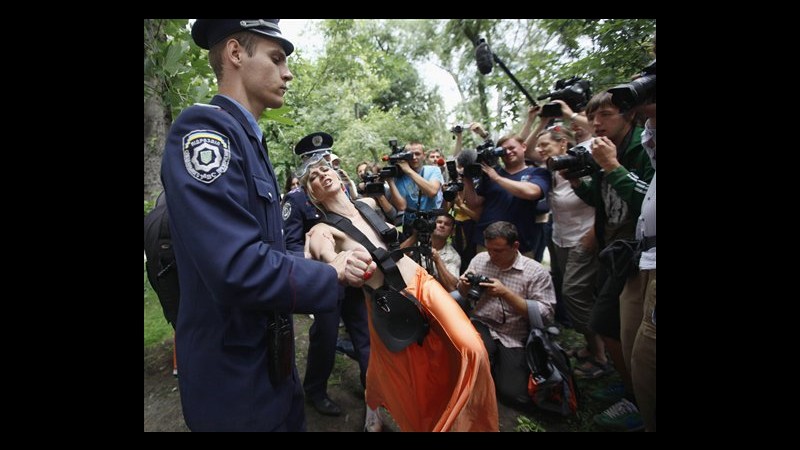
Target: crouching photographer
511,288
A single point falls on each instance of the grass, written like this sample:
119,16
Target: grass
156,327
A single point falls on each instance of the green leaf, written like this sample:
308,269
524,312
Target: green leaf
172,61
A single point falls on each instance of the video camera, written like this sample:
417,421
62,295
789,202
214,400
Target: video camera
578,161
452,187
486,153
457,129
475,289
424,223
575,92
392,171
372,186
638,92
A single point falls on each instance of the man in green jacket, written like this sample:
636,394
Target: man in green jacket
616,192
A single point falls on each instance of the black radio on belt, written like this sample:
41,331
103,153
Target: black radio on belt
279,347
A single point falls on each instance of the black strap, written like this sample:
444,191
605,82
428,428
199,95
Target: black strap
381,256
164,238
648,242
388,234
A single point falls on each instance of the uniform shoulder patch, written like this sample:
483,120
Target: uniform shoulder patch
287,210
206,154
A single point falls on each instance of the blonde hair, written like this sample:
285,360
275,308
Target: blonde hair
305,181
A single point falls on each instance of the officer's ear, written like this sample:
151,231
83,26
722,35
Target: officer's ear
233,51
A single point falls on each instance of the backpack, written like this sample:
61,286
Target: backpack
162,272
551,385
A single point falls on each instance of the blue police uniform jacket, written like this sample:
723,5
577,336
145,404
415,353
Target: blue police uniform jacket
225,219
299,215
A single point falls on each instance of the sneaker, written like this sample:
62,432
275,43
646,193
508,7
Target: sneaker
373,422
609,394
621,416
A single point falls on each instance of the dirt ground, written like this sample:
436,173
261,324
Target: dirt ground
162,406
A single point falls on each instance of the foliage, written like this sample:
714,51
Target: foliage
525,423
149,205
365,87
182,67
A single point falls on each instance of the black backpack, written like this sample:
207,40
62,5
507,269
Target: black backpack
551,385
161,269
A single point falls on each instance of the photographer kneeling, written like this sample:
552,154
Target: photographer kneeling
518,287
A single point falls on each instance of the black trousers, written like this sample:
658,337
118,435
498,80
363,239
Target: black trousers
509,369
322,342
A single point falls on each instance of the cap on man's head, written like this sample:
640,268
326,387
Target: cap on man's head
208,32
314,143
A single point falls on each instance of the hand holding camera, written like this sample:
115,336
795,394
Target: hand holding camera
604,153
477,128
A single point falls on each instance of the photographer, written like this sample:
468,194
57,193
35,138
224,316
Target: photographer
573,254
510,194
616,192
365,171
446,261
518,287
419,187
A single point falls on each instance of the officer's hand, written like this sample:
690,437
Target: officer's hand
354,267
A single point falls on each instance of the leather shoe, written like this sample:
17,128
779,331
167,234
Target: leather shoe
324,405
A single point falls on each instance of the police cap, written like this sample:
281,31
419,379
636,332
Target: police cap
314,143
207,32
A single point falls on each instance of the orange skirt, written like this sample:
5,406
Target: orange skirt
444,385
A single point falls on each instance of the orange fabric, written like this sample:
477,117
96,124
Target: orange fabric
445,384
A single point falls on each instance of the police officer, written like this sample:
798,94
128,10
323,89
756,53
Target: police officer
299,215
239,287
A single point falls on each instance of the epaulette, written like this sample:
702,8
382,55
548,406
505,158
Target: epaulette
207,105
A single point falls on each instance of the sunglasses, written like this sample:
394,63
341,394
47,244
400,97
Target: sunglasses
312,161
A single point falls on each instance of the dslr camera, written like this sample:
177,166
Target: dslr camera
487,153
372,186
575,92
453,186
578,161
475,289
638,92
392,171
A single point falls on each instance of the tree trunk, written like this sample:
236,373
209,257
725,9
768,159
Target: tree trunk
157,119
